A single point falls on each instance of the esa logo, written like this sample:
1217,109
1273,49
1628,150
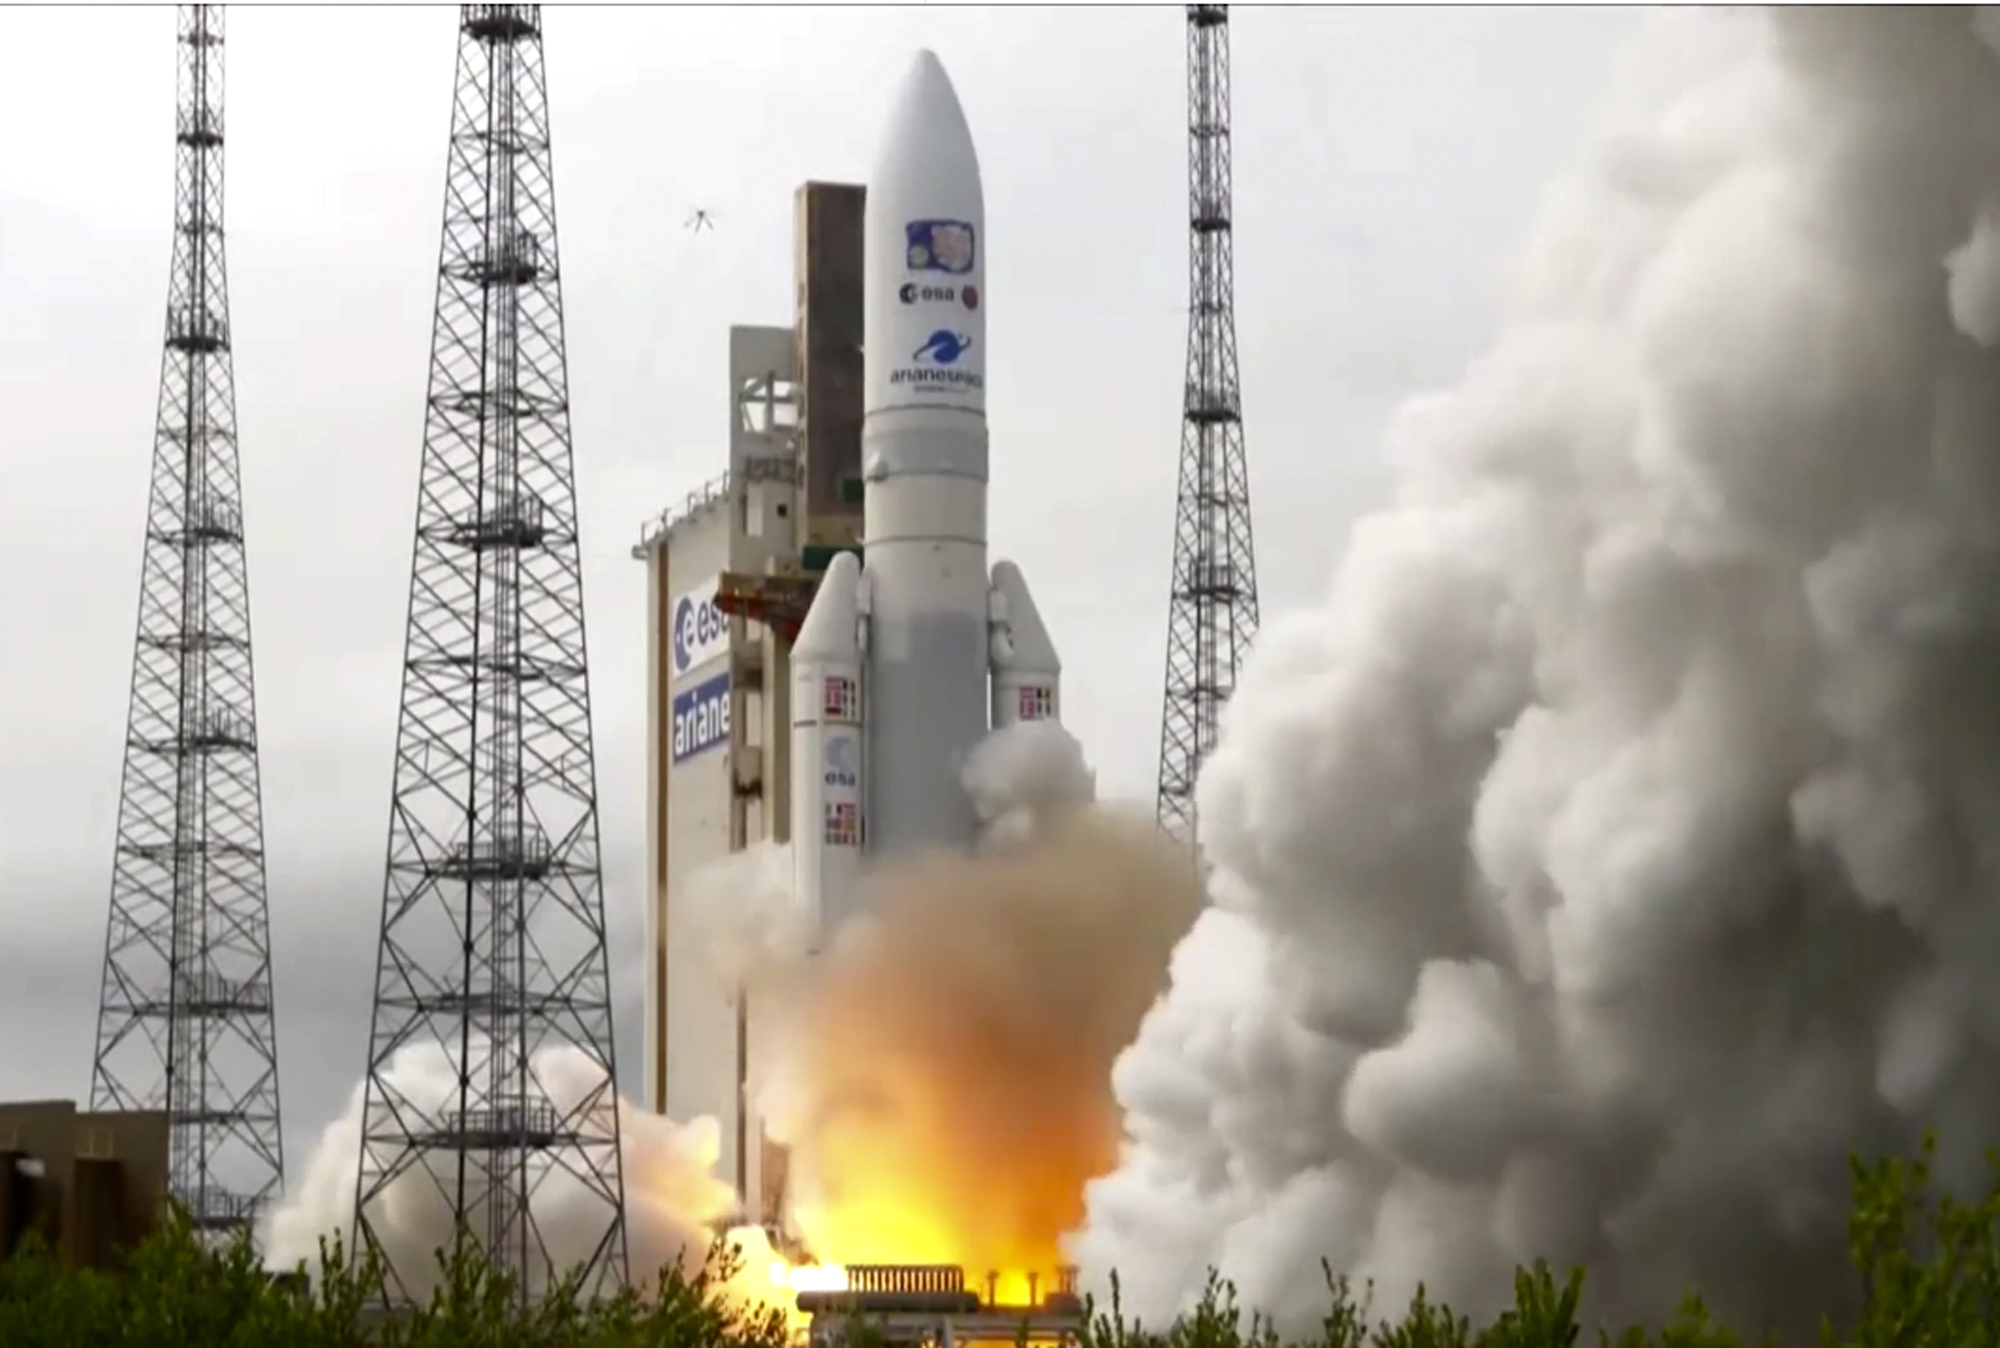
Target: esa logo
912,293
700,629
839,763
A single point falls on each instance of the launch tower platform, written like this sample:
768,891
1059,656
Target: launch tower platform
929,1305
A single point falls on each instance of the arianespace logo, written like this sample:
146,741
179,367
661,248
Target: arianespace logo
839,763
943,347
933,365
701,717
701,630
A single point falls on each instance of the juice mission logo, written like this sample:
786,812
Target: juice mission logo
940,245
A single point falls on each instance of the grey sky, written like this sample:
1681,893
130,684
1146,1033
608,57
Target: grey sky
1387,162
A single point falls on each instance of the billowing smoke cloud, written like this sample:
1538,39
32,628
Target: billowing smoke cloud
944,1075
1026,780
673,1199
1618,847
744,915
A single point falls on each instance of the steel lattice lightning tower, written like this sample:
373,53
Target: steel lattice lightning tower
493,944
185,1020
1212,616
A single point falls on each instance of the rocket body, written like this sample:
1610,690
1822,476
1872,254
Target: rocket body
923,465
944,650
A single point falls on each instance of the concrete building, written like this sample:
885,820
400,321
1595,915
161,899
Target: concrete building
731,571
92,1183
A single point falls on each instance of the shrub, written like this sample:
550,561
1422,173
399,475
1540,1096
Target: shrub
1927,1269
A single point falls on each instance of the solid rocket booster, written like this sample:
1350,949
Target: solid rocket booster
827,742
943,651
1027,673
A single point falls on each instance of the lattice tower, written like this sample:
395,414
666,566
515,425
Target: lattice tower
1212,615
185,1020
493,944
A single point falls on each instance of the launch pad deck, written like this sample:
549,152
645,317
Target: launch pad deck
930,1304
988,1325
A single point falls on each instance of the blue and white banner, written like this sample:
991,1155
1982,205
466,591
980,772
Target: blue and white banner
701,718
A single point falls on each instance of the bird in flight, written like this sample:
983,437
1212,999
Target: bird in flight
699,221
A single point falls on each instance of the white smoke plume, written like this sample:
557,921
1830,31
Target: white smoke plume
672,1198
744,915
1026,779
1617,848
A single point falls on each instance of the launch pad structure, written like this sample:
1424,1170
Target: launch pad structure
731,572
931,1305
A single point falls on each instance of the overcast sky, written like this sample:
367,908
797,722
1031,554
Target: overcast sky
1387,163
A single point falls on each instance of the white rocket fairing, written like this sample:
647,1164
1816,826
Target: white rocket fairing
942,651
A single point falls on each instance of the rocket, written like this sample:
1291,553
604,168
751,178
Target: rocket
912,652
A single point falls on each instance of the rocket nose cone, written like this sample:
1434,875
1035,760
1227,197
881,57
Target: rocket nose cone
926,79
927,125
927,91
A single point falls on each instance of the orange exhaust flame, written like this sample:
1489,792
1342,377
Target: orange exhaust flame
953,1057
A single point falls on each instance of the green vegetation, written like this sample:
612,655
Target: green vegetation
1927,1269
173,1293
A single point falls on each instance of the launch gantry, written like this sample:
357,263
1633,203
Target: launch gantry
493,949
185,1019
1212,616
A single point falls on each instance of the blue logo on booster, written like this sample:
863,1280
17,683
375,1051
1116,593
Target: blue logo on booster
939,245
943,347
840,763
